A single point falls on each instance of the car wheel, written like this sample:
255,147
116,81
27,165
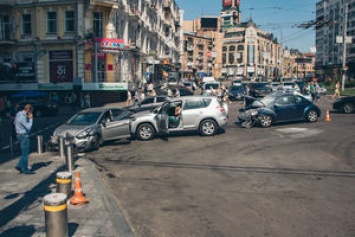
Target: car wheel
145,132
312,116
265,120
97,142
347,108
208,128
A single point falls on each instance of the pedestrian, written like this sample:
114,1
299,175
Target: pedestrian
73,101
142,95
129,98
337,90
23,125
177,92
87,102
313,90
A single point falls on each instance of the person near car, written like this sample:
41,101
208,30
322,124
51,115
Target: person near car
142,95
73,101
23,125
337,90
313,90
177,93
170,92
87,101
129,98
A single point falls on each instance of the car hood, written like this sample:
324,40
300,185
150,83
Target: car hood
248,101
68,130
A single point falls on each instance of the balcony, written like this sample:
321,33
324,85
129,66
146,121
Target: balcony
166,6
134,14
190,48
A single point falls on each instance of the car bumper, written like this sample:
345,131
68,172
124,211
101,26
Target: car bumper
78,144
222,122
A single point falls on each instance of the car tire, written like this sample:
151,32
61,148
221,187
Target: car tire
145,132
208,127
97,142
347,108
312,116
265,120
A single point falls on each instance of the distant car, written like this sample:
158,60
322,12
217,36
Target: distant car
206,88
275,85
192,113
261,89
237,82
188,84
281,106
345,104
290,86
40,107
148,103
321,89
184,91
236,93
89,128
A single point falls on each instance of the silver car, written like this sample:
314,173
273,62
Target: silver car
89,128
197,113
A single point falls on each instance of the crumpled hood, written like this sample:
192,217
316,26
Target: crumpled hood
67,130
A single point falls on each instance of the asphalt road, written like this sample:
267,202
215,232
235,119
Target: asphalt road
288,180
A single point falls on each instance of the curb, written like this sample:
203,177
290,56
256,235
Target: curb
120,225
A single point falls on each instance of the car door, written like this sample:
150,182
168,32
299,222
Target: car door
162,119
193,111
285,108
300,103
115,125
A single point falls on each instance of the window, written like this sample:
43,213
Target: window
148,101
161,99
231,48
97,24
197,104
69,21
240,47
26,24
51,22
5,27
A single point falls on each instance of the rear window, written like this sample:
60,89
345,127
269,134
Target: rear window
197,103
213,85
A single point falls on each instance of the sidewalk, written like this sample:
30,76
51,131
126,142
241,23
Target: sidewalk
21,200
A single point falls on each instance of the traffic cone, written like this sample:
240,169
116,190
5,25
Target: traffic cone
78,198
327,116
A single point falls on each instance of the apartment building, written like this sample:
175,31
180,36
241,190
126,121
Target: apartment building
97,45
335,19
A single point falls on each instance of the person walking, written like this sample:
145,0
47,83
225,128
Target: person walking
337,90
129,98
313,90
23,125
87,102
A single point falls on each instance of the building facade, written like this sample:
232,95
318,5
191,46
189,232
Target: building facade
97,45
335,21
232,48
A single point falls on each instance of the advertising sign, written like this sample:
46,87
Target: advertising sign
110,44
227,3
25,72
61,66
105,86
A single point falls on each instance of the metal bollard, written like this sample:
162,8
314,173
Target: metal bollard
56,215
40,144
64,181
61,147
69,159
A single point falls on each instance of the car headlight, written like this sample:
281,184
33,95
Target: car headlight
84,133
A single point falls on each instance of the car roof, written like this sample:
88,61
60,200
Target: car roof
98,109
191,97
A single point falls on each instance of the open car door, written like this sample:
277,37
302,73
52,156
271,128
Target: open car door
116,126
162,119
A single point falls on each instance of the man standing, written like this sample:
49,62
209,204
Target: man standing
23,124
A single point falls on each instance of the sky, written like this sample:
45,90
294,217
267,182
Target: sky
280,17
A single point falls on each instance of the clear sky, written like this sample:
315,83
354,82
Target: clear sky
280,17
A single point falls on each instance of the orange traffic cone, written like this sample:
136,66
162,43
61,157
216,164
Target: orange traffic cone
78,198
327,116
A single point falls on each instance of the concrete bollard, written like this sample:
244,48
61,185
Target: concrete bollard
69,159
40,144
56,215
61,147
64,183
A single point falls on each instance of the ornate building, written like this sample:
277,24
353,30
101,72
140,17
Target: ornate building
97,45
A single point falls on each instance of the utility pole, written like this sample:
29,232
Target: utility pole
345,28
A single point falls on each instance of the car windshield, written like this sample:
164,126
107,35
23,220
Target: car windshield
289,84
84,118
267,100
213,85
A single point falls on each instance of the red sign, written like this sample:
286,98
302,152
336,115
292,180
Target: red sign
227,3
237,3
209,54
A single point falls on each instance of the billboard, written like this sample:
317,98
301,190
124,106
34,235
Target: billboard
61,66
209,22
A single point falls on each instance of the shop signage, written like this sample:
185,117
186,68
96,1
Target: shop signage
51,86
227,3
18,87
110,44
61,66
25,72
105,86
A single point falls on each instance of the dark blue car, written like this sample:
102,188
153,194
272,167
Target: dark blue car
281,106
